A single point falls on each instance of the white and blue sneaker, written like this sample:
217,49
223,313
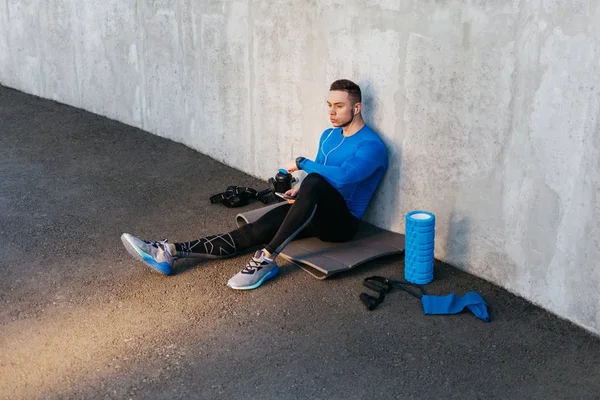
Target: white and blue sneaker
156,254
258,270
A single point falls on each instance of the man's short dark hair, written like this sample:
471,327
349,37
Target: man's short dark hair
349,87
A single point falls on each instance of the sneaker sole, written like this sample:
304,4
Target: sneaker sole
136,252
271,274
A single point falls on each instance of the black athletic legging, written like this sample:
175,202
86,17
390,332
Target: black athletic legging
319,211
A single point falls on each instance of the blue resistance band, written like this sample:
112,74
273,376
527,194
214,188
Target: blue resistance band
432,305
453,304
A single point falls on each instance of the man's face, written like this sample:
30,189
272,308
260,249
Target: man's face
340,107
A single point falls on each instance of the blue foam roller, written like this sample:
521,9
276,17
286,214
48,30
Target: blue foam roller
421,252
419,232
423,240
417,263
415,233
419,247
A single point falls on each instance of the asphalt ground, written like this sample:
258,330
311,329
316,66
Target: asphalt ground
81,319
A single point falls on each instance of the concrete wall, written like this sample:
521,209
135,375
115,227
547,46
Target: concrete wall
490,108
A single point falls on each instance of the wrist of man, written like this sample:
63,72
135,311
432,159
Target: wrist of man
299,161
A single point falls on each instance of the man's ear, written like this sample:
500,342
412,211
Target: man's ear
357,108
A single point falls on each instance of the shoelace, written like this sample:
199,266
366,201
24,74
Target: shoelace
162,244
252,265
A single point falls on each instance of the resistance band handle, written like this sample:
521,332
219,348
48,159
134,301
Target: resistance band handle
371,302
375,286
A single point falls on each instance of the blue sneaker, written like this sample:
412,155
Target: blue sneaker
156,254
258,270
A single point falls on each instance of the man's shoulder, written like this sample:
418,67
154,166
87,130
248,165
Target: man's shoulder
369,135
372,143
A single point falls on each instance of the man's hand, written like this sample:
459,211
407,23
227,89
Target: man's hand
291,192
291,166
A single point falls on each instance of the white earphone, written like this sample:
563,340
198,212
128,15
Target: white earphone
330,151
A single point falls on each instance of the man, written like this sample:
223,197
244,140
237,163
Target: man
331,200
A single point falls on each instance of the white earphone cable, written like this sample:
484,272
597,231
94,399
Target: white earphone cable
330,151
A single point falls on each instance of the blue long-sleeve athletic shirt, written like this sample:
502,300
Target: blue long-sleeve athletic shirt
354,165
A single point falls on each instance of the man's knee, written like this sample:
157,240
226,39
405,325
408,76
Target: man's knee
313,182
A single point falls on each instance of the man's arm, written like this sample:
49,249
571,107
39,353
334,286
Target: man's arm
354,169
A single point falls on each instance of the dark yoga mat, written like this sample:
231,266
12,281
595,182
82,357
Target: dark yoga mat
323,259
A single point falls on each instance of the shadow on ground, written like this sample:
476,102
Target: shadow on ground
81,319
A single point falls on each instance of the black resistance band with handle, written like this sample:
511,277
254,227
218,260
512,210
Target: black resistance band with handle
384,286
